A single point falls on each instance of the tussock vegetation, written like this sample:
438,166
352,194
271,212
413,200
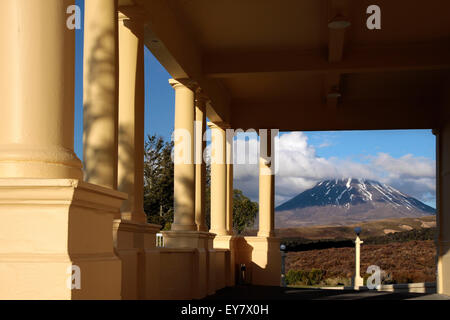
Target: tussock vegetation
416,234
401,262
301,244
302,277
369,229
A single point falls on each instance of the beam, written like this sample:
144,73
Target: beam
353,115
356,60
178,53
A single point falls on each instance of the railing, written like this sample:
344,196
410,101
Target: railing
159,240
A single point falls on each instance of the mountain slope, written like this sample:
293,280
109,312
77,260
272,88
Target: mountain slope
345,201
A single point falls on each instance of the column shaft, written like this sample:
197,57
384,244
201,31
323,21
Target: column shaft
100,93
200,166
229,186
131,118
37,62
184,168
218,180
266,187
443,209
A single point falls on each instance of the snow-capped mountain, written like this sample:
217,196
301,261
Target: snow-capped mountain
344,201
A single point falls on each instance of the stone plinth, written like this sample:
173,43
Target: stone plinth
262,258
134,243
50,225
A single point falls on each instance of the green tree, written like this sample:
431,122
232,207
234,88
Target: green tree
158,181
158,189
244,210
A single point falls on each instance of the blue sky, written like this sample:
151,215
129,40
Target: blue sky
358,144
362,153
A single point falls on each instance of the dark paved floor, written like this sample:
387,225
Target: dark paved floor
280,293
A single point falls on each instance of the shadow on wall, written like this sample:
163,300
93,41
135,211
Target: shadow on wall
262,258
131,135
101,90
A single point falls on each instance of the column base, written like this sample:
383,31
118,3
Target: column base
183,227
443,267
50,226
139,217
357,282
39,162
265,234
185,239
262,258
203,261
226,245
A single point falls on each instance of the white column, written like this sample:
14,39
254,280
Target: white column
131,118
266,186
443,208
200,166
229,183
37,59
100,93
184,168
218,180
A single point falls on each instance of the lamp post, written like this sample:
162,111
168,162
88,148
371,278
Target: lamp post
357,280
283,271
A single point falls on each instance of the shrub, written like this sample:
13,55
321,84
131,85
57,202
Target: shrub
303,277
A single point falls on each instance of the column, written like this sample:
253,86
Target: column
218,180
200,166
229,183
131,118
37,91
443,208
54,224
100,93
266,185
184,168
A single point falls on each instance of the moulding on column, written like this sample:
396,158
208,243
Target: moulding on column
129,234
220,125
186,239
185,82
132,13
50,225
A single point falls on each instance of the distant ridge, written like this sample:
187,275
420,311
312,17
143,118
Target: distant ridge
346,201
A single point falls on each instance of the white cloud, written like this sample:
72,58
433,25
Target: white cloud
299,168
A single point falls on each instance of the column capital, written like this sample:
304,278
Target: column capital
183,83
133,13
121,16
219,125
201,97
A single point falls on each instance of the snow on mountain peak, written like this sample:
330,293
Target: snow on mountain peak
348,192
